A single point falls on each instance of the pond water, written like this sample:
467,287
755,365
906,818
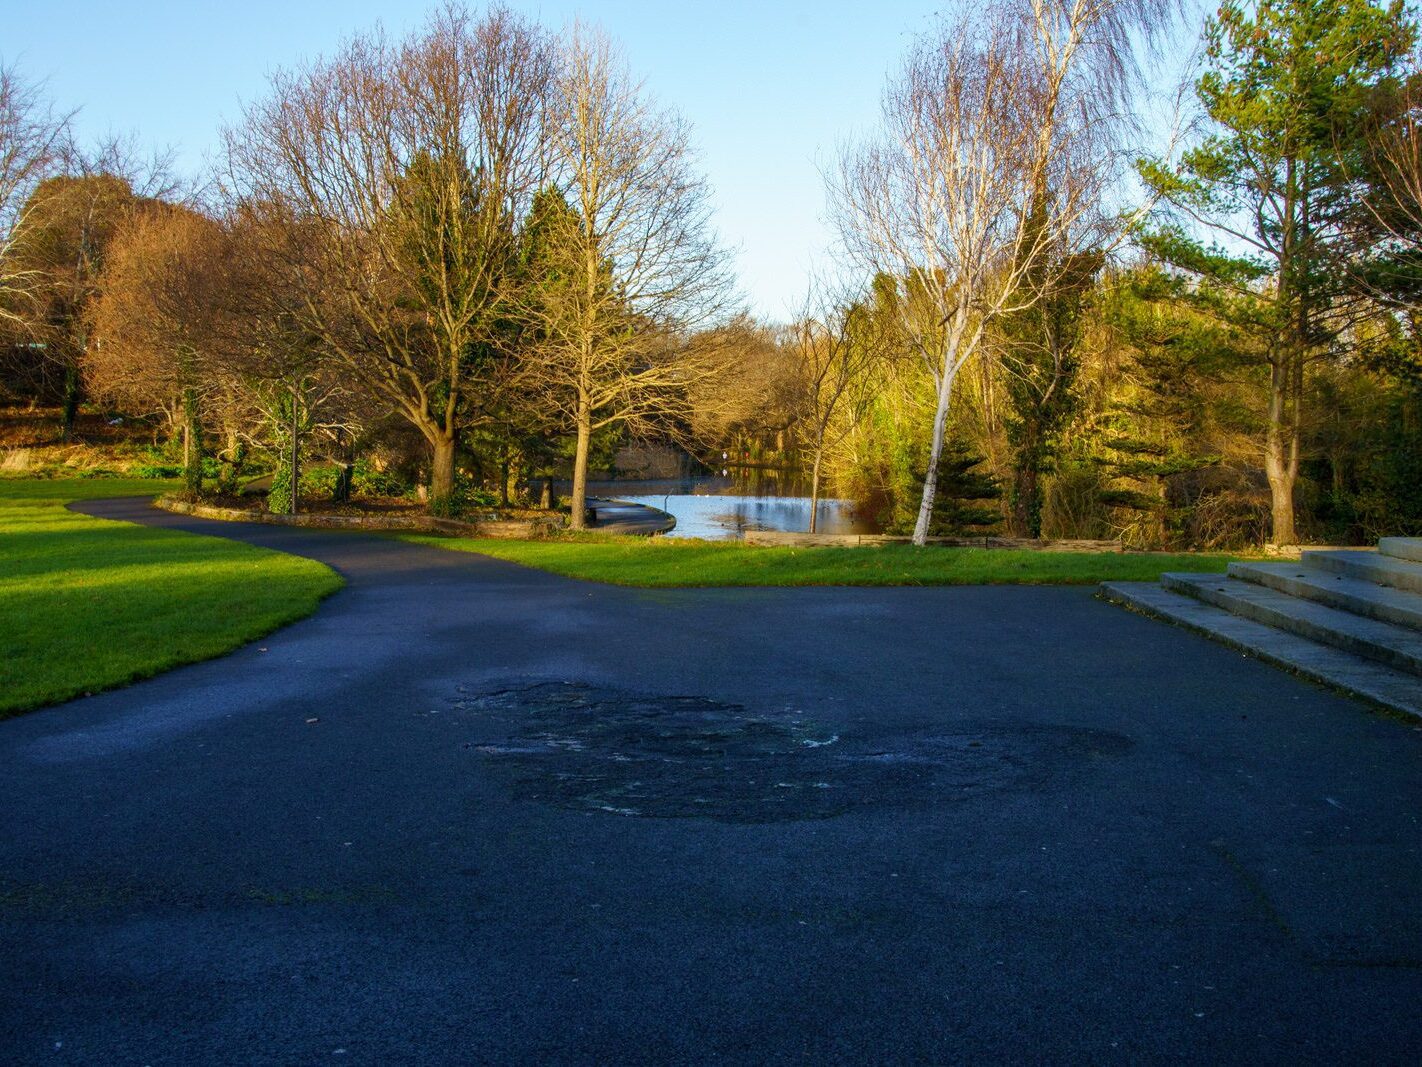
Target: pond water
725,508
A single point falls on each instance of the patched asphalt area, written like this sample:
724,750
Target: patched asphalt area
596,749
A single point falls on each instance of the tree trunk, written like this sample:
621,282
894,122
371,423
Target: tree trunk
73,394
442,476
1281,456
341,494
192,443
345,475
935,453
580,468
295,447
1281,505
233,456
1025,519
815,491
1159,516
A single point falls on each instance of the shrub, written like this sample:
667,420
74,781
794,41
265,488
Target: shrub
318,481
466,495
365,481
154,470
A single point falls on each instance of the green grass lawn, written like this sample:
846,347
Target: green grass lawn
87,604
670,562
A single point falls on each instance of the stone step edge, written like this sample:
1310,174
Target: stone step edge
1367,638
1367,566
1356,596
1403,548
1390,690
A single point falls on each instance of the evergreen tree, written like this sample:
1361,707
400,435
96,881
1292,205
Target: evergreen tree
968,499
1038,350
1267,190
1160,428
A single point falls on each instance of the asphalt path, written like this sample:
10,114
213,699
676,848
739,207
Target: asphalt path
470,812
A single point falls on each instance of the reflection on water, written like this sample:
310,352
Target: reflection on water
717,517
722,508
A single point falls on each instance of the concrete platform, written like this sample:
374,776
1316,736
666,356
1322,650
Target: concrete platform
1388,688
627,517
1396,646
1370,566
1356,595
1349,618
1402,548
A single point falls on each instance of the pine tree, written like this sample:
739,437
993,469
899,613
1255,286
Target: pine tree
1265,194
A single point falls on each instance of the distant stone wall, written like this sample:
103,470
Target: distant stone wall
808,540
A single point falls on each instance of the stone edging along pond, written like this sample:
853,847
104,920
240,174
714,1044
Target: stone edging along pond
530,529
503,529
816,540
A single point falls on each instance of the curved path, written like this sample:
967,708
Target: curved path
768,825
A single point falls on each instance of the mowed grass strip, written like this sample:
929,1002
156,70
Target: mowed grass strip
664,562
87,604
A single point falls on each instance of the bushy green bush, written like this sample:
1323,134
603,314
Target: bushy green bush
479,497
366,481
211,468
155,470
319,481
279,495
467,495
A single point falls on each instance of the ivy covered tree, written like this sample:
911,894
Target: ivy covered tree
1037,347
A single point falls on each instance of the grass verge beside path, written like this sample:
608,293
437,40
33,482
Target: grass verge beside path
87,604
662,562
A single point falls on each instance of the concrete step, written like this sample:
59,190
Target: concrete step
1356,595
1395,646
1369,680
1409,548
1369,566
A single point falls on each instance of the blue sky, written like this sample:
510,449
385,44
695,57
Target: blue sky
771,88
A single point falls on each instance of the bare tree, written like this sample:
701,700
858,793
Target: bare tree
836,349
937,202
152,324
758,390
990,164
32,141
413,161
622,258
260,347
69,220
